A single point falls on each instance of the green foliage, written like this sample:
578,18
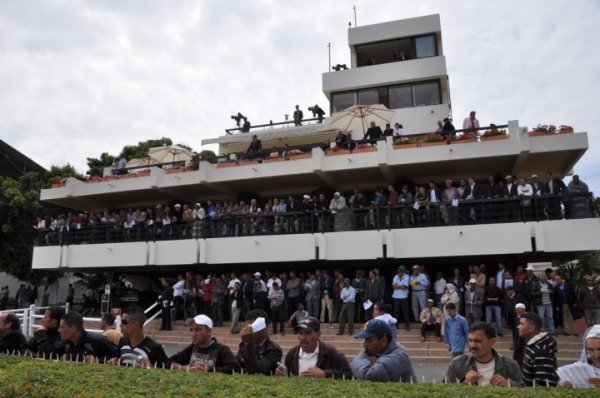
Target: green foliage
208,156
23,377
96,166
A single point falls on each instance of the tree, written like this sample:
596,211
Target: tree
96,166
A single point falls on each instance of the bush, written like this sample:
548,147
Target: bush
25,377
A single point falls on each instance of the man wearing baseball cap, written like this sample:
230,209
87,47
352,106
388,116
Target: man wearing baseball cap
257,353
312,357
205,354
383,359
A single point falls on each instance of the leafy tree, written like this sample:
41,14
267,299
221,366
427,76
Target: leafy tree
96,166
208,156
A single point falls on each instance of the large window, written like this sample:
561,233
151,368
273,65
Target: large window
427,93
394,97
368,97
341,101
400,97
425,46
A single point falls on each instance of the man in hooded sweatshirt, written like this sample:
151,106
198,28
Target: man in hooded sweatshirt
539,359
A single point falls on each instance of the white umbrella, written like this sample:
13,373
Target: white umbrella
141,162
170,154
359,117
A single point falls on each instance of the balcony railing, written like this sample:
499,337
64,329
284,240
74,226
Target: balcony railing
463,212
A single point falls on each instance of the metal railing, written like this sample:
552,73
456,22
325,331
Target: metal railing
352,218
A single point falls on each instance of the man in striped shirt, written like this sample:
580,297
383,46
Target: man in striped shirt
539,359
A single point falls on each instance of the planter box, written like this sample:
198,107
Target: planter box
495,138
226,164
541,133
338,152
565,131
368,149
273,160
302,156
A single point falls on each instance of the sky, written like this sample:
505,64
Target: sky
79,78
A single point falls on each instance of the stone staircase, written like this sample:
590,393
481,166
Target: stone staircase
429,351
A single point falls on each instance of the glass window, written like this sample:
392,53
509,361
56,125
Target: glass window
425,46
427,93
368,97
342,101
400,97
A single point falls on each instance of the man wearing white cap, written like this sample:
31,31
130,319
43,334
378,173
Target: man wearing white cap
473,302
205,354
257,353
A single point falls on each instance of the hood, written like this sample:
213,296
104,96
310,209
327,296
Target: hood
451,288
592,333
545,341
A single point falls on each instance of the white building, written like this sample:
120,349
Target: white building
400,64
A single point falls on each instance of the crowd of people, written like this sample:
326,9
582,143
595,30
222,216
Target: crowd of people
63,337
467,202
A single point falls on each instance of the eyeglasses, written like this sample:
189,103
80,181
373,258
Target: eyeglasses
124,321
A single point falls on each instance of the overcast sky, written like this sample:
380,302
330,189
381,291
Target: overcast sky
78,78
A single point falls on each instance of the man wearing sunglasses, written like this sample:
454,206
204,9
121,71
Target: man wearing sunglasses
135,348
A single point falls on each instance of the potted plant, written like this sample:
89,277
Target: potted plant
433,139
465,138
565,129
404,142
494,134
542,129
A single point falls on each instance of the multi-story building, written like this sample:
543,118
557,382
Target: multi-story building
398,64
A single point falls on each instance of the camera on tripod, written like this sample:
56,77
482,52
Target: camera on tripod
238,119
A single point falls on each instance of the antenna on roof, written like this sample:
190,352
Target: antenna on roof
355,24
329,50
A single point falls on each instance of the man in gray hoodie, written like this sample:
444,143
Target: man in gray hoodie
383,359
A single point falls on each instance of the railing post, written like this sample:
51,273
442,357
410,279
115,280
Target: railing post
67,307
31,320
118,323
25,323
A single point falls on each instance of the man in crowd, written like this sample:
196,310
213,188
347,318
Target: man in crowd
348,297
539,359
431,319
326,294
418,284
205,354
312,357
483,366
257,353
107,324
493,301
455,331
298,116
383,358
11,338
400,283
589,298
136,349
79,345
374,291
45,340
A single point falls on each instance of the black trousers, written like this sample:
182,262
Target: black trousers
434,327
401,307
165,323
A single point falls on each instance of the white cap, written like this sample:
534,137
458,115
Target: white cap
530,268
336,194
177,205
472,280
520,305
198,205
534,176
258,324
257,274
203,320
306,197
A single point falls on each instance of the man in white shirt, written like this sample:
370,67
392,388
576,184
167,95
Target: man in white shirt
439,287
525,192
232,282
471,124
178,296
273,278
348,297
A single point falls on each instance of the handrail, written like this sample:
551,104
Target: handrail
232,130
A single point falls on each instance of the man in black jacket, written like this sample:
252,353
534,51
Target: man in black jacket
11,338
205,354
374,133
257,353
79,345
312,357
46,339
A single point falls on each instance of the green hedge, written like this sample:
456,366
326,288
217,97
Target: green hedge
25,377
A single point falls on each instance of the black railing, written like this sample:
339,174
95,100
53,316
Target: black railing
352,218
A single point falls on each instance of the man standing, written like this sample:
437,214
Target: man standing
400,284
135,348
419,284
46,339
79,345
493,301
311,287
555,188
384,359
439,287
374,291
293,292
257,353
205,354
298,116
348,297
326,294
11,338
312,357
431,319
471,124
539,357
359,283
483,366
455,331
373,133
590,301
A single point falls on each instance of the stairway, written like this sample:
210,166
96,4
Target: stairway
428,351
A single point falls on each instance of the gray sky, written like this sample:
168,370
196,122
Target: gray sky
83,77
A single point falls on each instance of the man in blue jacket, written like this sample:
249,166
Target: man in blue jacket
383,359
456,331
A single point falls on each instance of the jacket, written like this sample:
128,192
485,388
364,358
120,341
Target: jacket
505,367
435,311
261,359
329,360
539,361
223,360
392,365
44,342
88,344
13,341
